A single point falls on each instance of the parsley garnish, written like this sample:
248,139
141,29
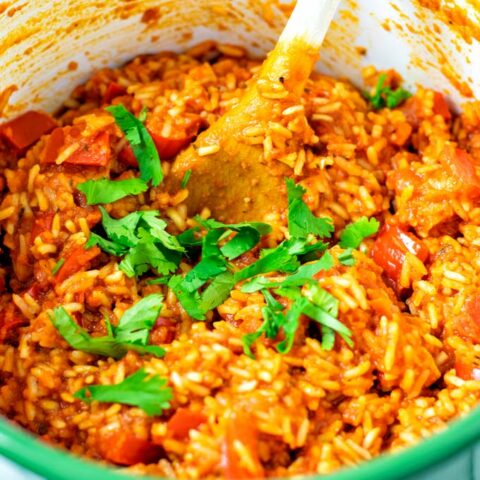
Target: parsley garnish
131,333
386,97
141,142
209,282
108,191
148,392
186,178
58,266
301,221
354,234
143,241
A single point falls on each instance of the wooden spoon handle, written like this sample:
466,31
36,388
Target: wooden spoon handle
309,22
297,50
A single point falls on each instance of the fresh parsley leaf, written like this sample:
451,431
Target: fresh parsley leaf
207,268
156,227
148,392
324,318
106,245
186,178
322,298
107,345
386,97
122,230
290,325
190,301
148,254
137,321
108,191
301,221
279,259
58,266
217,292
211,224
141,142
245,239
354,233
190,238
346,257
303,275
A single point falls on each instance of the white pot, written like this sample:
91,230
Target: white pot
49,46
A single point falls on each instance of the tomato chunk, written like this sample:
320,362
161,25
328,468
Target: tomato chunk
77,259
87,151
182,422
391,246
463,168
25,130
467,371
42,223
113,90
440,106
241,429
124,448
167,146
467,323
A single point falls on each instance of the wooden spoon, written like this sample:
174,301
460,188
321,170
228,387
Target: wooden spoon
229,176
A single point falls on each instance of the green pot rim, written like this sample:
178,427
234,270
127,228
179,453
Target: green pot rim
55,464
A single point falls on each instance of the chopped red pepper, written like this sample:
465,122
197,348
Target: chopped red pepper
42,223
391,246
182,422
467,323
77,259
241,428
167,147
90,151
124,448
25,130
467,371
440,106
463,168
113,90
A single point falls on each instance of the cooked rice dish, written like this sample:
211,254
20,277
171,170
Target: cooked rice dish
139,334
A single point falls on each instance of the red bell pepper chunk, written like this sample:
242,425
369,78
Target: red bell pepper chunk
92,151
391,246
25,130
440,106
77,259
113,90
42,223
124,448
467,371
462,166
166,147
182,422
241,428
467,323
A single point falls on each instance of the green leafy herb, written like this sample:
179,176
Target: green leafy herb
108,191
301,221
303,275
58,266
143,241
346,257
131,333
354,234
148,254
148,392
141,143
186,178
384,96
